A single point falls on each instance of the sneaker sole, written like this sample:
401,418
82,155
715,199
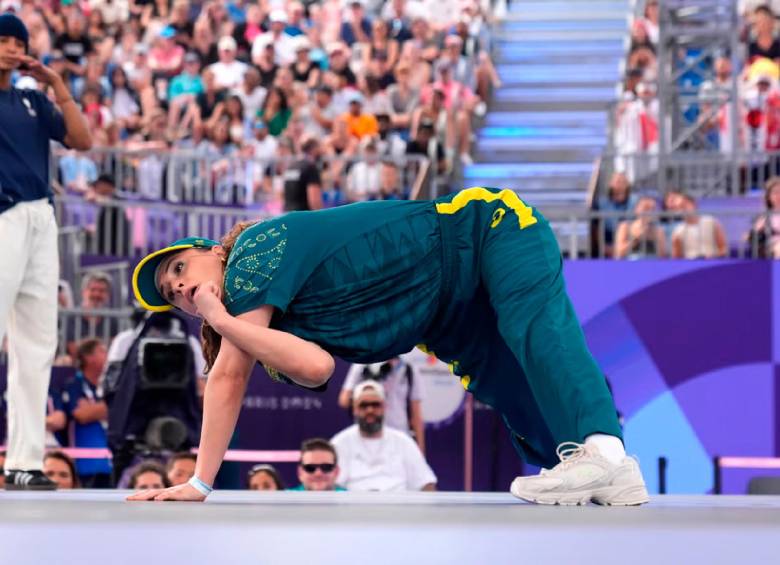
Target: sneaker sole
608,496
27,487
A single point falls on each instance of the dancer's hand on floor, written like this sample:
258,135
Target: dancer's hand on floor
185,492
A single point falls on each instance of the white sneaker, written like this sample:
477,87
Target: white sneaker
583,476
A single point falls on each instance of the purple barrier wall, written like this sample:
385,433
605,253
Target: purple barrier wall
691,349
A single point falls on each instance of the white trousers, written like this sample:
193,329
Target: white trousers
29,272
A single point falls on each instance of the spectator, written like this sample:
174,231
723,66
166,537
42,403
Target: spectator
180,467
61,469
318,468
764,42
83,403
251,93
210,100
389,182
297,24
74,44
376,101
363,179
403,98
388,141
339,146
381,45
247,31
357,27
166,57
442,120
319,114
396,14
374,457
618,199
264,477
187,84
765,234
204,42
148,475
265,62
641,237
303,184
112,229
359,124
284,81
282,42
264,146
125,105
95,295
181,23
645,30
228,72
327,15
338,63
672,208
698,236
276,112
77,172
403,394
420,69
426,144
238,123
304,69
274,176
56,420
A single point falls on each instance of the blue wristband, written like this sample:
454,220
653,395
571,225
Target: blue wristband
200,486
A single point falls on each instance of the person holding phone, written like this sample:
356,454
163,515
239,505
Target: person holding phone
28,232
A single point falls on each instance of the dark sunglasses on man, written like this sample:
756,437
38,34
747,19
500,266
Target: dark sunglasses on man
312,467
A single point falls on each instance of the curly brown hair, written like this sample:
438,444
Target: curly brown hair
210,340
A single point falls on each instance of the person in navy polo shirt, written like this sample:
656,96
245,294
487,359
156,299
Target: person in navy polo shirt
82,401
28,244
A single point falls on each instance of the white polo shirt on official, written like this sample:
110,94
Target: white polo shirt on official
392,462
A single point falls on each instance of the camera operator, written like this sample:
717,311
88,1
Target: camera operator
153,389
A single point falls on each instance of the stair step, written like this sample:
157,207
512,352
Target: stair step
548,106
596,14
566,9
563,36
532,183
608,73
527,119
620,23
555,58
530,155
517,170
553,134
559,62
558,94
540,143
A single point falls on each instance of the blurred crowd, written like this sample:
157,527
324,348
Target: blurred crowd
223,79
627,225
756,77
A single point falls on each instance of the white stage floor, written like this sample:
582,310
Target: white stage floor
97,527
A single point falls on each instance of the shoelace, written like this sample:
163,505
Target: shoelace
568,453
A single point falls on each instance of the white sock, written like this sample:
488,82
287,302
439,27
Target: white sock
610,447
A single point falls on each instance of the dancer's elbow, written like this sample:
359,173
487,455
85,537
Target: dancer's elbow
316,371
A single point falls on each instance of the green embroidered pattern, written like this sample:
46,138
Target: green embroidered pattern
252,258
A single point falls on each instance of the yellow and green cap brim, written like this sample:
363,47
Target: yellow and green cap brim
144,275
